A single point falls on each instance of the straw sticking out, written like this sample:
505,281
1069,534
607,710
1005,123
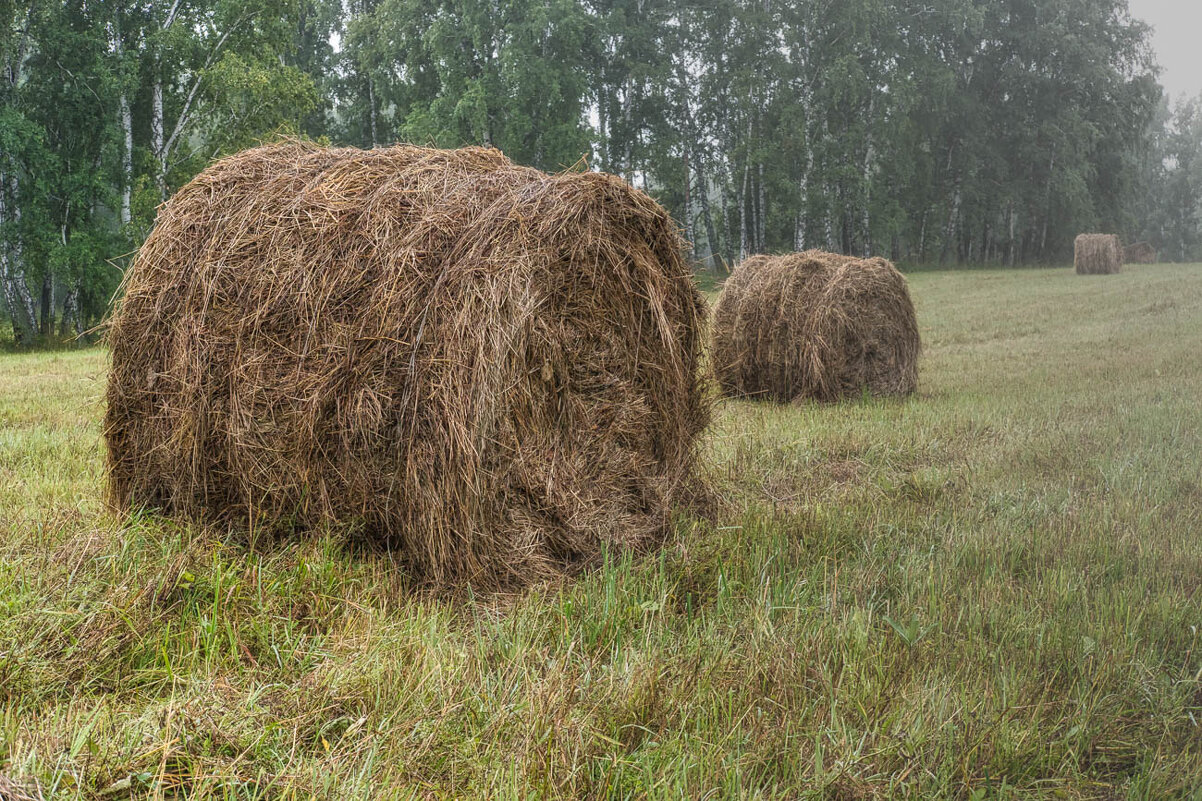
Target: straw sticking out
815,325
493,368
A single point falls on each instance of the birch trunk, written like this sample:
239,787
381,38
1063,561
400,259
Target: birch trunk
603,133
690,226
373,122
127,160
828,222
866,211
157,144
161,143
743,215
727,180
760,212
1011,247
69,325
691,146
1047,205
127,131
627,134
12,270
17,296
922,236
950,232
711,237
46,323
803,201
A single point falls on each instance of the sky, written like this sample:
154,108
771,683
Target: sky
1177,41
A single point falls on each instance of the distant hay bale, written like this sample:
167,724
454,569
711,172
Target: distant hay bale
1097,254
1139,253
492,368
815,325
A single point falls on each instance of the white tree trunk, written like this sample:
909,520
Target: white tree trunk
949,231
746,232
127,160
869,159
628,144
17,296
953,217
760,211
373,122
711,235
162,144
157,143
1047,204
1013,247
828,221
127,129
70,324
799,224
744,226
803,200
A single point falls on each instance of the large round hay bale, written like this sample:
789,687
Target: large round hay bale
815,325
1097,254
1139,253
493,368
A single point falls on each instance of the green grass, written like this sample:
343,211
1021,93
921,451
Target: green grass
988,591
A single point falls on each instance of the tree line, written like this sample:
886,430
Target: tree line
928,131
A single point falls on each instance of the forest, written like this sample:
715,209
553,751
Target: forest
931,132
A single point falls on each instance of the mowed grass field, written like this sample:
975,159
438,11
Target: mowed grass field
988,591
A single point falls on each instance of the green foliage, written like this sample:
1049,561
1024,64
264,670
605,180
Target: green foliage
512,75
78,79
249,99
942,131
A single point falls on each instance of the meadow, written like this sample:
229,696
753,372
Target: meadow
987,591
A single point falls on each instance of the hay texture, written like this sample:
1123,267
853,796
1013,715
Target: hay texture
1139,253
492,368
815,325
1097,254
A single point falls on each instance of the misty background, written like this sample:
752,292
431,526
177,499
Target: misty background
948,132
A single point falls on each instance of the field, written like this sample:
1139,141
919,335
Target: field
988,591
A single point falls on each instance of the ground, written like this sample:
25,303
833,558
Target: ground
990,590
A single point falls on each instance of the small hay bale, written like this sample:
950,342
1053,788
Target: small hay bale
493,369
1139,253
815,325
1097,254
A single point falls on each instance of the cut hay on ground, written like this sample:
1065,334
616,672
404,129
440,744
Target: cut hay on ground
1139,253
815,325
492,368
1097,254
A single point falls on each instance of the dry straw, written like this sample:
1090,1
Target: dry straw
815,325
1139,253
492,368
1097,254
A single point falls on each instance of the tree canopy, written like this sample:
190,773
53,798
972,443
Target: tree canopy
941,131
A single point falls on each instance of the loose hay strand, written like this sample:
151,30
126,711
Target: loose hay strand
491,367
815,325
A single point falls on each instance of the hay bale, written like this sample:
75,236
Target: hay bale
1097,254
815,325
1139,253
492,368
